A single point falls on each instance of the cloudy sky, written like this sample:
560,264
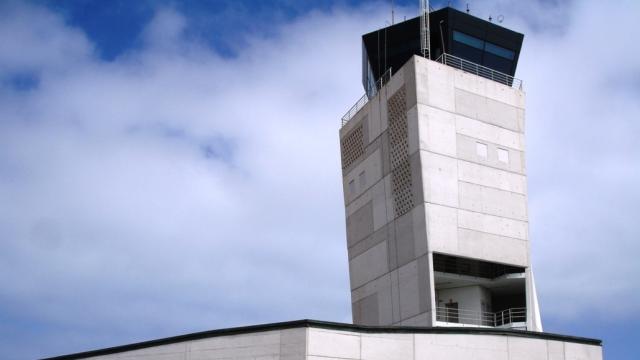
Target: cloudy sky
170,167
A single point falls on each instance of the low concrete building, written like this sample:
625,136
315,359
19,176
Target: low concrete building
316,340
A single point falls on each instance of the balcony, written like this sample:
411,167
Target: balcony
513,318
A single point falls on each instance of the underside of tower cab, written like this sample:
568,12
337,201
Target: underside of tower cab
478,293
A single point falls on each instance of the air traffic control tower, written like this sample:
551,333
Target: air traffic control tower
434,176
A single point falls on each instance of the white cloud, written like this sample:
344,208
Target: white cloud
175,190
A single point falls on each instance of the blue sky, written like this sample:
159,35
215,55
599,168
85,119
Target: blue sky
169,167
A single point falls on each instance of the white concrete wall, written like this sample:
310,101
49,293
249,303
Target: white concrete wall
287,344
333,345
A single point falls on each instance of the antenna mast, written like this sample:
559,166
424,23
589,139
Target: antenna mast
425,38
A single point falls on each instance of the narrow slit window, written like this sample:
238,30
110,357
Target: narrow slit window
481,150
503,156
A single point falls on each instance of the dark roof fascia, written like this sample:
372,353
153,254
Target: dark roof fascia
330,326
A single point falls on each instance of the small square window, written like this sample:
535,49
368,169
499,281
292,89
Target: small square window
352,187
363,180
481,149
503,156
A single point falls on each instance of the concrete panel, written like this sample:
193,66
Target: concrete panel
387,346
413,142
491,224
372,167
424,287
405,241
467,347
440,179
527,349
247,346
395,295
420,229
409,294
573,351
490,247
488,110
396,82
380,204
442,228
439,86
490,133
466,147
360,224
506,94
555,350
368,266
293,344
492,201
436,130
491,177
422,320
370,241
345,345
410,81
385,300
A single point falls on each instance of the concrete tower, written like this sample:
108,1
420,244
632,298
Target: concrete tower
434,175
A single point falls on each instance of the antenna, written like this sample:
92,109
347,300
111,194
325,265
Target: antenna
468,8
425,38
391,12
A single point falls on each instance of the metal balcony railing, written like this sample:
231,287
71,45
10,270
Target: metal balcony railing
384,79
481,318
479,70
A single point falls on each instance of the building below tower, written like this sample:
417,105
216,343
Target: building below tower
318,340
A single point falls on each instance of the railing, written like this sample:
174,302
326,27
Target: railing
384,79
479,70
481,318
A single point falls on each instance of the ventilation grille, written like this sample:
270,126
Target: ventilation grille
399,144
352,147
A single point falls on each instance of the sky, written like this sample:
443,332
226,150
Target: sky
170,167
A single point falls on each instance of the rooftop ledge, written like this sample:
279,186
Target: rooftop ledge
330,326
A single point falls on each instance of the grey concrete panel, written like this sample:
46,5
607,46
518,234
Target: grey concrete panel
387,346
436,130
334,344
573,351
527,349
492,201
466,147
360,224
494,248
367,243
439,179
293,344
490,133
409,290
366,311
417,187
405,241
488,110
420,229
410,79
492,224
424,286
368,266
442,228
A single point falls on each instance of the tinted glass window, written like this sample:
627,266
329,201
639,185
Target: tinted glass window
468,40
499,50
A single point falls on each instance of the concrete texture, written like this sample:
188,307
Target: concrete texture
464,203
338,341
